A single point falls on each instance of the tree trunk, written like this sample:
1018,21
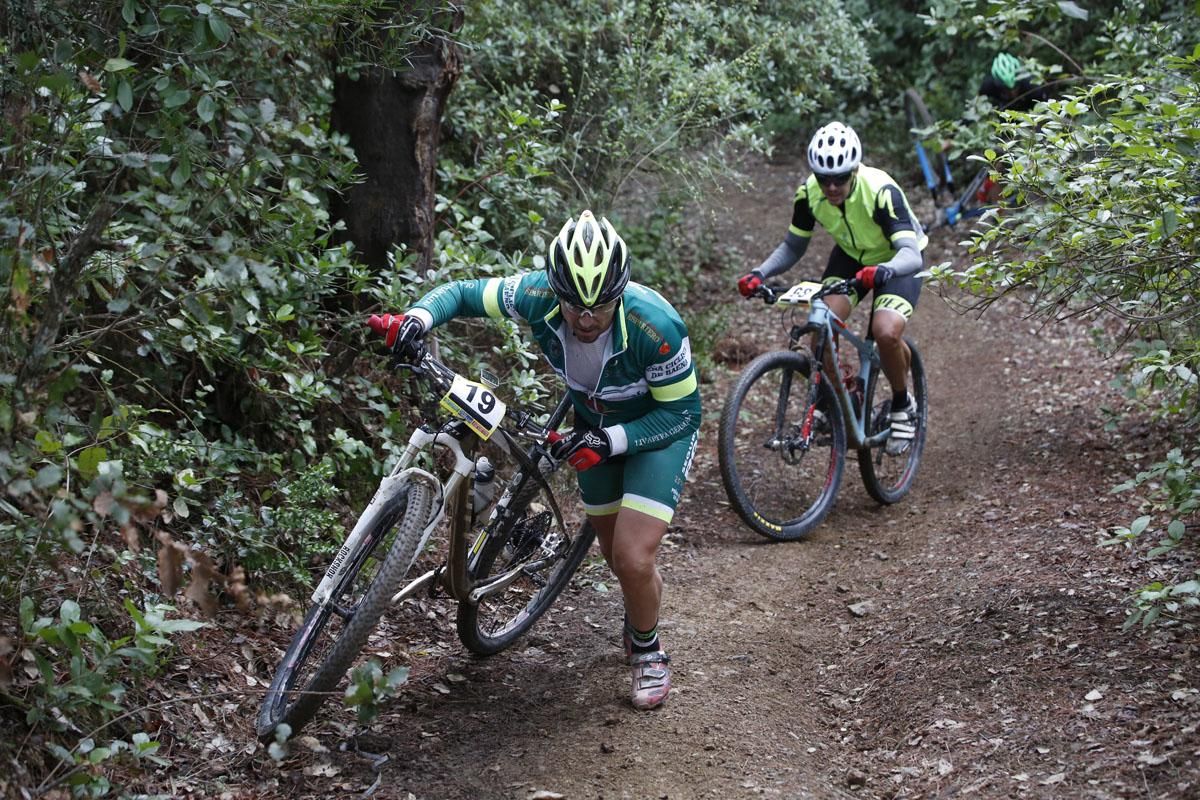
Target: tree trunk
393,120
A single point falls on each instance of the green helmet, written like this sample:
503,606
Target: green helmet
1004,69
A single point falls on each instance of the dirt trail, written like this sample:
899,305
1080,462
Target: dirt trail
990,663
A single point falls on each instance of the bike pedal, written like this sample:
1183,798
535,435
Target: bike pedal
436,585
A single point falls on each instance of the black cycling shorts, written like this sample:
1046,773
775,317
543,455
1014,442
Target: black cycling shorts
898,294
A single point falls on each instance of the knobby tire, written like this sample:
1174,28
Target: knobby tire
297,705
785,492
498,621
889,478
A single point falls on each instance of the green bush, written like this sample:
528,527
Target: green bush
1101,218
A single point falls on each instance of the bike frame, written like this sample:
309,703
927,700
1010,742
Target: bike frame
455,573
938,179
830,329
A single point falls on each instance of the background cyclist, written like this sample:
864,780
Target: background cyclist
625,356
1007,88
877,240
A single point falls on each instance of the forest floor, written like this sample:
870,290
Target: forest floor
987,657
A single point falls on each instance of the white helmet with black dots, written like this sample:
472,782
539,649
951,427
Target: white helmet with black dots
834,149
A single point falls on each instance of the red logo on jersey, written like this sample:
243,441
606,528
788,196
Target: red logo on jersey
666,348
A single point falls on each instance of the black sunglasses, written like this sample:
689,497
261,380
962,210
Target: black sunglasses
600,310
835,180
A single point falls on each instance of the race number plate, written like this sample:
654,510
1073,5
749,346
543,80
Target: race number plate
801,293
476,404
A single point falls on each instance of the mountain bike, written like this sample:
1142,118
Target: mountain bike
791,416
507,558
968,203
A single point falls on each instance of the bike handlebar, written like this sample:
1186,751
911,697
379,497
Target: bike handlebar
770,293
424,363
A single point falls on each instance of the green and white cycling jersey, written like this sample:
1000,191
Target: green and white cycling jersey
647,394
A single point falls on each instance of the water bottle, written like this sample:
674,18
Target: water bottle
483,487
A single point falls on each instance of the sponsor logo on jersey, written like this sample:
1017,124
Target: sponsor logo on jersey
673,367
645,327
508,295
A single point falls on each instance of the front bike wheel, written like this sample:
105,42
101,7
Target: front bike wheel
781,454
538,557
889,478
333,633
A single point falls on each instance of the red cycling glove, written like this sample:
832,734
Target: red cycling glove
748,284
583,448
874,277
399,331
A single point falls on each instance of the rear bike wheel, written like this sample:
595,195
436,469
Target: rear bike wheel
889,478
333,633
781,462
540,558
934,167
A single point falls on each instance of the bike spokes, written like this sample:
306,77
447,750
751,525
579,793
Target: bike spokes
781,454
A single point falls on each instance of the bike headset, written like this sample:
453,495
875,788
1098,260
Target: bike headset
589,262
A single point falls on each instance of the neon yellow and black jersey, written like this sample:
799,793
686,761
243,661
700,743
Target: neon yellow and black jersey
647,393
874,217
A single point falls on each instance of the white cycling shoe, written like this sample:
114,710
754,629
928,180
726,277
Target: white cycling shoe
904,429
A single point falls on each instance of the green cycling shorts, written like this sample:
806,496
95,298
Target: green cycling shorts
650,481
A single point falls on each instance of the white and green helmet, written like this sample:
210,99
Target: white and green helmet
589,262
1005,67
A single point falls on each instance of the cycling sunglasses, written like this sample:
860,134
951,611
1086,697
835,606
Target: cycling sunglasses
839,179
602,310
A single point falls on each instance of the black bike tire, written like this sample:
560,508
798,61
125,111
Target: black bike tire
872,481
916,115
801,525
276,709
485,643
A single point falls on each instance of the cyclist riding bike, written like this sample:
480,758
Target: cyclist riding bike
625,356
878,240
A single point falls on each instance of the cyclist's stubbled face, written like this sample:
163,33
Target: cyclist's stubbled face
837,193
587,325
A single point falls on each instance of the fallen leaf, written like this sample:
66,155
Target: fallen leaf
170,565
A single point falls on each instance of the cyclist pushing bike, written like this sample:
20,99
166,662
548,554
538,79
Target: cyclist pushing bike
625,356
878,241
